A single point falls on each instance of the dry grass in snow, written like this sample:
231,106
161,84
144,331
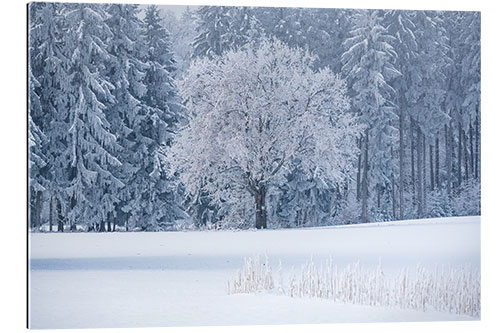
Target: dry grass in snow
255,276
455,290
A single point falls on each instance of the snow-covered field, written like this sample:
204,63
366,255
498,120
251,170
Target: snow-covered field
84,280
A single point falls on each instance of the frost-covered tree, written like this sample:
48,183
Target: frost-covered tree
368,66
471,69
223,28
457,29
286,24
462,98
161,92
92,188
49,64
126,69
183,31
37,159
253,113
471,81
212,28
321,31
400,24
155,204
428,92
245,27
219,29
326,30
462,103
428,86
303,201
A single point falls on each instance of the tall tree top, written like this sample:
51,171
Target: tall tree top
158,41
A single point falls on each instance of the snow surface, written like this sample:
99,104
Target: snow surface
85,280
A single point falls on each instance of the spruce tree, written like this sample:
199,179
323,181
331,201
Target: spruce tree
368,66
49,65
92,187
400,24
37,159
126,69
157,201
224,28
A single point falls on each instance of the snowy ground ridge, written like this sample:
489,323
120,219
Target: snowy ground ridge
180,278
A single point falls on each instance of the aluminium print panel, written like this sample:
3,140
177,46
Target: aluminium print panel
300,165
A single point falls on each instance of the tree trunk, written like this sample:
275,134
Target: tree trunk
60,225
393,189
345,193
459,160
393,197
471,144
110,216
379,194
466,156
72,222
476,171
401,165
364,183
419,173
260,208
431,167
358,175
436,179
102,226
453,156
51,212
38,209
448,158
412,148
424,171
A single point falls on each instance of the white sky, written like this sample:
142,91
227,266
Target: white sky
176,9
